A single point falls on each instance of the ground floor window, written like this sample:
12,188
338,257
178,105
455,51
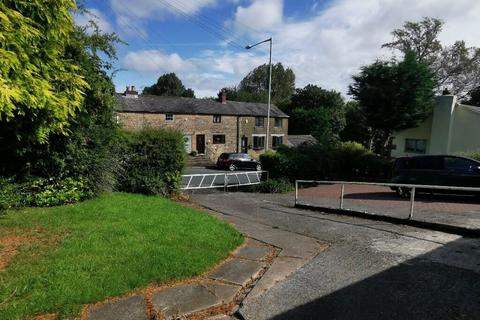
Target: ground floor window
416,145
258,142
277,141
218,139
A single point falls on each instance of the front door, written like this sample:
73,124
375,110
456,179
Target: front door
188,143
244,145
200,143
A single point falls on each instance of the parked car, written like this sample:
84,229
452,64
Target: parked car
439,170
234,161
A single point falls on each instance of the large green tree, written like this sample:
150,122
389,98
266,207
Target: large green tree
169,85
394,96
456,67
316,111
356,128
254,86
41,87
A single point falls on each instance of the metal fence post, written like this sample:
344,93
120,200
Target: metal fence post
412,201
341,196
225,183
296,191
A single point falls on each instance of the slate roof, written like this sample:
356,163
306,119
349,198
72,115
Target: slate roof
180,105
297,140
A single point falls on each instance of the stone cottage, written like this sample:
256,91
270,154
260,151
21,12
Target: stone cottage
209,127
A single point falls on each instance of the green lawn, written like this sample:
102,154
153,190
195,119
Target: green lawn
108,246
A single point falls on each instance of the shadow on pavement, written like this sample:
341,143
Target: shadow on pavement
419,197
416,289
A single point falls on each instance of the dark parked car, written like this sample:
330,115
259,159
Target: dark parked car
234,161
441,170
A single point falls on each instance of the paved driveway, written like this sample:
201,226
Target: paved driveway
456,210
372,269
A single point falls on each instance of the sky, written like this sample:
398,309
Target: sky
324,42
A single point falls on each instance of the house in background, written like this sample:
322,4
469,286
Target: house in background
209,127
452,128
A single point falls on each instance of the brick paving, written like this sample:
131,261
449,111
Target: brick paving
456,210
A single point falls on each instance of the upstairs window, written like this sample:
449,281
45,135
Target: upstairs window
168,117
258,142
278,123
217,118
416,145
259,121
218,139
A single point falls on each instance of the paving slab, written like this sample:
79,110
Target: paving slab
280,269
224,292
131,308
183,299
253,250
237,271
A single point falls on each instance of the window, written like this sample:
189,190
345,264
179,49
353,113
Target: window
218,139
258,142
459,164
259,121
278,123
217,118
168,116
277,141
416,145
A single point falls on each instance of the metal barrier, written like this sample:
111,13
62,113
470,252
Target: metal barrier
222,180
411,187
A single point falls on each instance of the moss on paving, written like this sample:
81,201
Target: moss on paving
105,247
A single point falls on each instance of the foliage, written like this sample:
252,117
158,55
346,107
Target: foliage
153,161
254,86
48,193
474,99
456,67
12,194
356,128
394,96
472,154
105,247
42,88
346,161
316,111
281,185
169,85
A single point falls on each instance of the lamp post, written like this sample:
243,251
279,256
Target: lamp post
269,87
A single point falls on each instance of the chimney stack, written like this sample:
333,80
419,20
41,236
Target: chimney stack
131,92
224,97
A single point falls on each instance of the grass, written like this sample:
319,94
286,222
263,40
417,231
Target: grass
84,253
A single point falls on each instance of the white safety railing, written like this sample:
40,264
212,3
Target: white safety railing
222,180
412,188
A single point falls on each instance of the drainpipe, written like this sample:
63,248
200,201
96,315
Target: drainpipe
238,134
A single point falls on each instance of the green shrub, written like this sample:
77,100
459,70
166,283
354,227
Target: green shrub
153,161
272,162
12,194
472,154
274,186
51,192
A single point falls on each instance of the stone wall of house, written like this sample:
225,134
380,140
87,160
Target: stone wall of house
193,125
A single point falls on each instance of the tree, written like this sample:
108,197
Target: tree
42,89
474,99
169,85
456,67
394,96
316,111
356,128
254,86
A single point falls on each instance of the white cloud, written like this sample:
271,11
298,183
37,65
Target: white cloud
95,15
260,14
326,49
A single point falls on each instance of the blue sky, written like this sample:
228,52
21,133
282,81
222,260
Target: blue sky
323,41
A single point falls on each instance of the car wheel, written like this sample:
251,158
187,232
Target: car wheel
232,167
259,167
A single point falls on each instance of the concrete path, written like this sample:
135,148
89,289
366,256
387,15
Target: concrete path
371,269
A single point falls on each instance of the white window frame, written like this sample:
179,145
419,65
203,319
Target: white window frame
169,114
217,116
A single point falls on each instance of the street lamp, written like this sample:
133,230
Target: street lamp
269,86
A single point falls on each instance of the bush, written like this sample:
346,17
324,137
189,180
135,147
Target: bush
153,160
472,154
342,161
274,186
41,192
